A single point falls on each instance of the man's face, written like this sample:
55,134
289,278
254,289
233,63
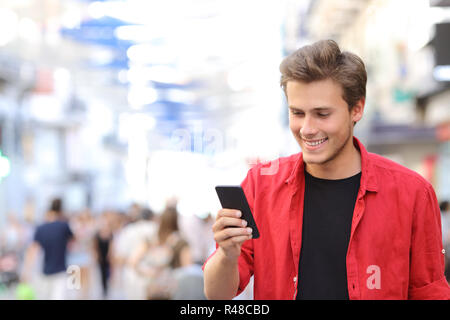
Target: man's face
320,119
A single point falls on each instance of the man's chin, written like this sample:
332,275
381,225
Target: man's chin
313,160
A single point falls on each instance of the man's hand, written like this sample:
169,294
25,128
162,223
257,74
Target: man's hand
221,271
230,232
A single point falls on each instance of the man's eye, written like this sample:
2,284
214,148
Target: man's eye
297,113
323,115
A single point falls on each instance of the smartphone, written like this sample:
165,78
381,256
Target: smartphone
233,197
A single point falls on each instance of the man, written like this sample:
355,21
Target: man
335,221
53,238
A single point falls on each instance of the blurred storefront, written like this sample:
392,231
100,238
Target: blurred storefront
405,47
106,103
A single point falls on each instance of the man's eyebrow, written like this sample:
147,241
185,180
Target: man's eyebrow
321,108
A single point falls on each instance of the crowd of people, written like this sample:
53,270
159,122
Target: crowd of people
138,254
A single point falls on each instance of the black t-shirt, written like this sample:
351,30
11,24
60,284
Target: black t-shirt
53,237
327,219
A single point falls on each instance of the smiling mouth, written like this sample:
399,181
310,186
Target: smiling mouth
315,143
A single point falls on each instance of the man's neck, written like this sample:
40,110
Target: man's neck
346,164
52,217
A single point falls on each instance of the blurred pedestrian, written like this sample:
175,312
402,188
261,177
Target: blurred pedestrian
13,235
81,249
187,275
52,237
102,243
13,242
153,259
128,239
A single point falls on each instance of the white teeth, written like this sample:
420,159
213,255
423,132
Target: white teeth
315,143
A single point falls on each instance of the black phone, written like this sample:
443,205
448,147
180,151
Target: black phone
233,197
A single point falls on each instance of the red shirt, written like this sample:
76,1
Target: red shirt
395,249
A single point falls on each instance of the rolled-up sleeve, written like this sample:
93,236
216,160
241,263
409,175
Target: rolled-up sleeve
427,279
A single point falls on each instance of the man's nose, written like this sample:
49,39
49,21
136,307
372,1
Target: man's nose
308,128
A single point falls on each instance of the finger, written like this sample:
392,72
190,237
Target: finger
241,239
233,213
235,240
228,222
230,233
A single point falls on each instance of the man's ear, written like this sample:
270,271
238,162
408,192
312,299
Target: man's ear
358,110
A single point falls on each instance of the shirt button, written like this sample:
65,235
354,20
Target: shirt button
443,251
